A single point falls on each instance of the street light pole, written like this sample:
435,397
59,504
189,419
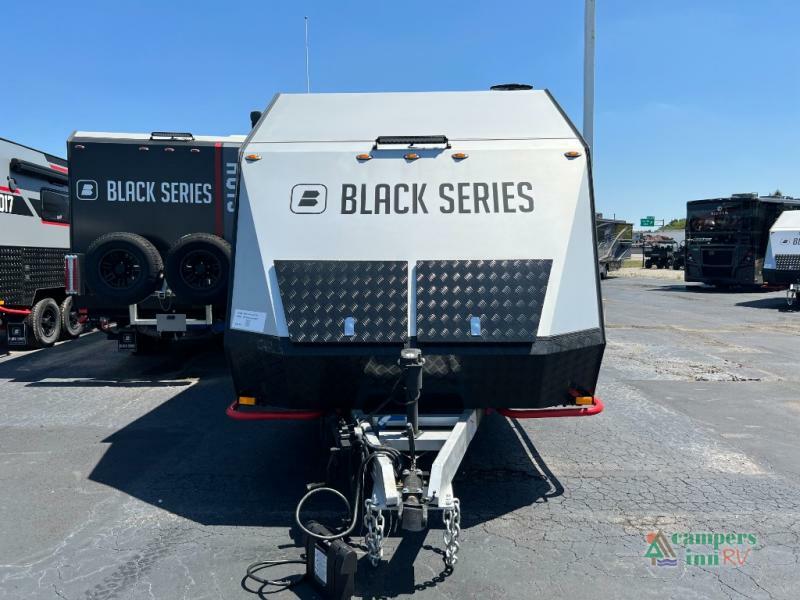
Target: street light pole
308,75
588,74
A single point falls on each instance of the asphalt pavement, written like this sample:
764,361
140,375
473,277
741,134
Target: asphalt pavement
121,478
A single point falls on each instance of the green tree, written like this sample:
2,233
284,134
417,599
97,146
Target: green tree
674,224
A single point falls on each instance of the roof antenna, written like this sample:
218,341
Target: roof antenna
308,77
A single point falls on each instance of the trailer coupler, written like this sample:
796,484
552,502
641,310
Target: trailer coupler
414,494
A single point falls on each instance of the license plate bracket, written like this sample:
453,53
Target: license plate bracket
170,322
16,334
127,341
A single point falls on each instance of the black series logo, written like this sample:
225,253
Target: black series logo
86,189
309,198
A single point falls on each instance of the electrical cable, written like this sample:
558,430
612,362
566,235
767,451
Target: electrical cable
374,451
354,509
288,582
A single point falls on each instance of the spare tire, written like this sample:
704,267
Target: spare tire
198,266
123,267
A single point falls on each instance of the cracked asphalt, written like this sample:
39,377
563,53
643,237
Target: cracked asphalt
121,478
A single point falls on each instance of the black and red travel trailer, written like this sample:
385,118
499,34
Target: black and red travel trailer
34,237
152,216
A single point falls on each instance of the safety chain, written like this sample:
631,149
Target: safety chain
452,530
373,539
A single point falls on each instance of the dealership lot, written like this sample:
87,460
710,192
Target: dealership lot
120,476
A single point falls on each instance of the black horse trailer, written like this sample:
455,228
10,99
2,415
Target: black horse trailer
726,238
152,216
34,237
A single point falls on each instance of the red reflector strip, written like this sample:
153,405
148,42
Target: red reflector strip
54,223
59,168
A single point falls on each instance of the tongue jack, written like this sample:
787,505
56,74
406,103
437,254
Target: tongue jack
411,361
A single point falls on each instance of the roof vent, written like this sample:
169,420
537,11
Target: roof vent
511,87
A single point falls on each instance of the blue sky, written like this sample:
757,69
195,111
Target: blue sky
694,99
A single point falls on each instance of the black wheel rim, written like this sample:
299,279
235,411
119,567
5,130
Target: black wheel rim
74,320
120,269
201,270
49,321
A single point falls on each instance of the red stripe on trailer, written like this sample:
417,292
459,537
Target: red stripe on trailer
59,168
15,311
54,223
218,188
596,407
8,189
271,415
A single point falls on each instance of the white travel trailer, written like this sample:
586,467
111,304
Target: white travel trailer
473,242
782,260
444,241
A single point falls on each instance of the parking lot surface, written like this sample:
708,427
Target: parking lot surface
120,476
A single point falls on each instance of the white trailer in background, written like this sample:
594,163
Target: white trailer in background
782,259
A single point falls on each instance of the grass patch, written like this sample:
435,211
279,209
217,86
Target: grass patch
632,262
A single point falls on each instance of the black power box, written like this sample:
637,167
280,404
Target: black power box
330,565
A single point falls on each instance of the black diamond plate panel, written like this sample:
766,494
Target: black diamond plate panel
23,270
787,262
506,295
319,295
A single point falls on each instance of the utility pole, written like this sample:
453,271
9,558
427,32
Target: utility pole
588,74
308,77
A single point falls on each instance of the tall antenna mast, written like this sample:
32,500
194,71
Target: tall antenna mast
308,77
588,74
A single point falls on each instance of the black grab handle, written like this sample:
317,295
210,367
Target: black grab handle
410,140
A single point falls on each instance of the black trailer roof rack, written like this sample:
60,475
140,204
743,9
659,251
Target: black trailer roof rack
172,136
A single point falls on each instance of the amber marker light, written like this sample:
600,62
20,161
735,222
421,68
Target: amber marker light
364,157
572,154
252,157
460,155
411,156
